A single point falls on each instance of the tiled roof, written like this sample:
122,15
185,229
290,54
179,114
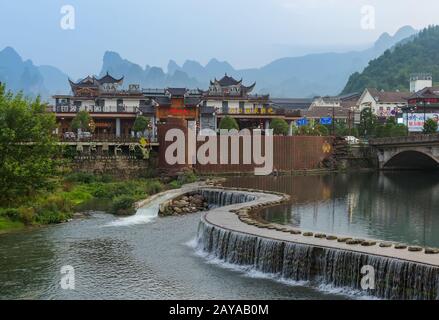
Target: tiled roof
163,101
109,79
388,96
293,104
228,81
177,91
429,92
321,112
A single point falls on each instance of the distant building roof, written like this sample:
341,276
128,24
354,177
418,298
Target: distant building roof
429,92
163,101
180,92
321,112
292,104
109,79
388,96
227,81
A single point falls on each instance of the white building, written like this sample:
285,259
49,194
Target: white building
384,104
420,81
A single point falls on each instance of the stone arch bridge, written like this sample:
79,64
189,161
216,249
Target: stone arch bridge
411,152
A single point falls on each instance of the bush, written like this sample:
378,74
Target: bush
26,215
187,177
123,205
174,184
430,126
228,123
321,130
81,177
10,213
279,126
154,187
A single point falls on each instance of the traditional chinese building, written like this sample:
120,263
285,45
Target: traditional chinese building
230,97
113,110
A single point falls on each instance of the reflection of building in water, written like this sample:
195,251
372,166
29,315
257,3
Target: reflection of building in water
352,199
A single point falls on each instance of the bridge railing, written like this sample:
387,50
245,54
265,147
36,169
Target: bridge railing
418,138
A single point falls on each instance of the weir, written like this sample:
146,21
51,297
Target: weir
395,278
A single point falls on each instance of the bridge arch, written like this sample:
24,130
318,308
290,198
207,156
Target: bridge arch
411,160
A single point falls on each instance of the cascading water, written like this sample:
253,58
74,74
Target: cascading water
217,198
144,214
334,268
394,279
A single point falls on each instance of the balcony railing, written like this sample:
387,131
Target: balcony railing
96,109
110,138
251,111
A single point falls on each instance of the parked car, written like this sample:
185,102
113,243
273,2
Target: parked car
84,135
69,135
352,140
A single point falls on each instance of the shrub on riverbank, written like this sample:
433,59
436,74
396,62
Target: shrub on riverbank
123,205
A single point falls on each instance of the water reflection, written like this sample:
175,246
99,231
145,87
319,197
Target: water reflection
394,206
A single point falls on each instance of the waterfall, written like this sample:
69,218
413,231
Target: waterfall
394,279
220,198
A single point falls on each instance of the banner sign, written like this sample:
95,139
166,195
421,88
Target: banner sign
415,121
302,122
326,121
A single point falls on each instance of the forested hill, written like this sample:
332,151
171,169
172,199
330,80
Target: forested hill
391,71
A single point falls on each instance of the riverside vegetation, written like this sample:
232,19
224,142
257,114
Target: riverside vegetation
79,192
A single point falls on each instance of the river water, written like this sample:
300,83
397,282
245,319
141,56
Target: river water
153,258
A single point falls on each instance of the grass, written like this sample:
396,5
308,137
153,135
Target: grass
6,225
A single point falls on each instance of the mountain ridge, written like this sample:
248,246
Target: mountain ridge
391,71
303,76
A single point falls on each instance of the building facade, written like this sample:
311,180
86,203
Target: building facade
422,105
384,104
112,109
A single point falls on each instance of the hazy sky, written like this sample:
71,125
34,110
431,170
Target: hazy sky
247,33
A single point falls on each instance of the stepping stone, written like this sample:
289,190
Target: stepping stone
331,238
385,245
414,249
320,236
308,234
431,251
353,242
400,246
343,239
368,243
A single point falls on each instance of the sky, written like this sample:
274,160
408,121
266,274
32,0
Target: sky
246,33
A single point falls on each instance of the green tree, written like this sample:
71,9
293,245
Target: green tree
28,146
141,124
367,122
321,130
279,126
228,123
82,121
430,126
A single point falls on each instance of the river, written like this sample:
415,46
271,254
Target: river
153,258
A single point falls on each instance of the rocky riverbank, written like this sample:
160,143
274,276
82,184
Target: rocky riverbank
189,203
